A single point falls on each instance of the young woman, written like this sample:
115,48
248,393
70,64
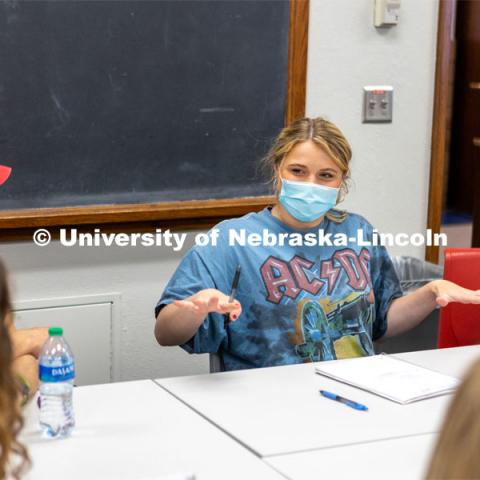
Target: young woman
297,301
12,393
457,452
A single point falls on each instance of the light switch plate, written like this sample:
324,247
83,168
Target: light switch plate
377,104
386,13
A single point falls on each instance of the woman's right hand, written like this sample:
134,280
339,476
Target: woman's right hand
210,300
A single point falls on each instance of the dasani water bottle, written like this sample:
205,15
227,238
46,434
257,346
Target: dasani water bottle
56,372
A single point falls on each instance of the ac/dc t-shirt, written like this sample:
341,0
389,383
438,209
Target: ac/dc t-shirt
301,301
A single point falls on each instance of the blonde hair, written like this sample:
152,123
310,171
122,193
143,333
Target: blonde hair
457,453
323,133
11,420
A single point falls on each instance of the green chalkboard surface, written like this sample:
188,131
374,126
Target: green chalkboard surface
114,102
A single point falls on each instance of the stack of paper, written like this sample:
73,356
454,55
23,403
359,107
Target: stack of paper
389,377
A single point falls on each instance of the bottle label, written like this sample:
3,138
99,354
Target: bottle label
57,374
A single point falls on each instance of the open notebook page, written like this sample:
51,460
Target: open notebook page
389,377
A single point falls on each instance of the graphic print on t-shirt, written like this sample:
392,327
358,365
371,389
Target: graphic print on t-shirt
326,327
300,303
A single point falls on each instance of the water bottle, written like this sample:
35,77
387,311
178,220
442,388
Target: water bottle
56,372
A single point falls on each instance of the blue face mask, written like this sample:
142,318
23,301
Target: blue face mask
307,201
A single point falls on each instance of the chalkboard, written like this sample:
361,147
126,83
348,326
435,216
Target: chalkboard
112,102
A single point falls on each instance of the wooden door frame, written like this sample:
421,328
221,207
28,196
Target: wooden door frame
440,122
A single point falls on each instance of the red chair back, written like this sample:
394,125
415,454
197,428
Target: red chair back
460,323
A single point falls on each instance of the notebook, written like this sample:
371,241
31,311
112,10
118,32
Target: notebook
389,377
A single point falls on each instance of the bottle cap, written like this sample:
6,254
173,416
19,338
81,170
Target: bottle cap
55,331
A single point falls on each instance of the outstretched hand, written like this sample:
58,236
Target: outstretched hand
447,292
210,300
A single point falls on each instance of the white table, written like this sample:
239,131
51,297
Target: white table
136,430
278,410
396,459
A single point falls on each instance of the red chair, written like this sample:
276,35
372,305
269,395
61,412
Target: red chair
460,323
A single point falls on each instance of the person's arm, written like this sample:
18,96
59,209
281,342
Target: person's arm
408,311
179,321
26,341
25,369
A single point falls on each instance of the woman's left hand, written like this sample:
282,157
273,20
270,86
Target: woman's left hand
446,292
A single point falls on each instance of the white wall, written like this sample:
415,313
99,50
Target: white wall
137,274
390,169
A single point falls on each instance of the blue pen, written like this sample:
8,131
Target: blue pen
346,401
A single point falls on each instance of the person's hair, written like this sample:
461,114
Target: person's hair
13,455
457,453
324,134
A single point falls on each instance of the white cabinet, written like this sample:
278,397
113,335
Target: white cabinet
88,330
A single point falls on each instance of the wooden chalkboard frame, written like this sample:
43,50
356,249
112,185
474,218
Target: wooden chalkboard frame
19,224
